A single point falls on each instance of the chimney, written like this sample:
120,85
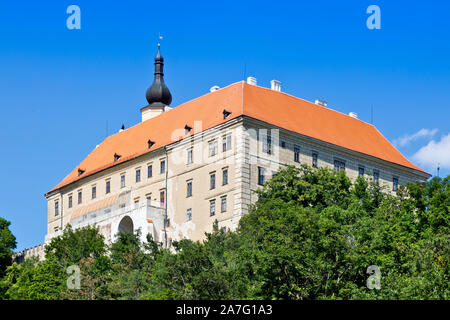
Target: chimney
320,103
275,85
353,115
251,80
215,88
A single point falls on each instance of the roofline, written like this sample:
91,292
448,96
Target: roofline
307,101
243,83
55,190
422,173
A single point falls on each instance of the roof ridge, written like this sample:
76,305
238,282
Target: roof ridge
166,112
307,101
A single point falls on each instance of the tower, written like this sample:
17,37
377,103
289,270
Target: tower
158,95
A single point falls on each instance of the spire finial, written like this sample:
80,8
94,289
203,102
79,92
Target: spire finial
158,95
159,38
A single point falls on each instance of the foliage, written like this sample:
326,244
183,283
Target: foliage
7,244
74,245
312,234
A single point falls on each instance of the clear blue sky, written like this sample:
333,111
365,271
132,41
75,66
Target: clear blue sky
63,90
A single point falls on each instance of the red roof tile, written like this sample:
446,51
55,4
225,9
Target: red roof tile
277,108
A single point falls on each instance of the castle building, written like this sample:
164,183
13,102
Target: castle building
180,169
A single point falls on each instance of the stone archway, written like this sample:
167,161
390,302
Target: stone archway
126,225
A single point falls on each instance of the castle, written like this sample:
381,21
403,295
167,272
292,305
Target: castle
180,169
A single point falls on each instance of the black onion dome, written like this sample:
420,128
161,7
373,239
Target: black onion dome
158,94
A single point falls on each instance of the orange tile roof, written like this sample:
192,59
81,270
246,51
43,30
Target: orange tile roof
277,108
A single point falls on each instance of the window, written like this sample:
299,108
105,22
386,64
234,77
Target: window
56,208
361,171
314,160
149,199
80,197
296,154
226,143
70,201
223,204
138,175
94,192
122,181
189,214
394,184
225,176
212,207
261,176
163,166
162,198
108,186
189,156
213,148
189,189
149,171
267,143
339,165
212,180
376,176
283,144
136,203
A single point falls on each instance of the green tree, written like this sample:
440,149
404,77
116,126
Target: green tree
312,235
74,245
199,270
7,244
35,281
132,265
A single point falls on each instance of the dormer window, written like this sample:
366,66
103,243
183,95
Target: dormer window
80,171
150,143
187,129
226,114
116,157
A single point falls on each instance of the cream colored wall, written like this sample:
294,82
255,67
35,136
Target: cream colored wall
326,156
242,162
179,173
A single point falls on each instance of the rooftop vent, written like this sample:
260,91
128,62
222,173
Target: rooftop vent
320,103
150,143
275,85
116,157
252,81
187,129
353,115
226,114
80,172
122,128
214,88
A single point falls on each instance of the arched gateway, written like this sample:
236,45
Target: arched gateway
126,225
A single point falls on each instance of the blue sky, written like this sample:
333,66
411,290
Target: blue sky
62,91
